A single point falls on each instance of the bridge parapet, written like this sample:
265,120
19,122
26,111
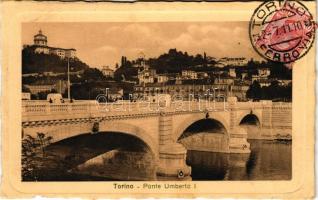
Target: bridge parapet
42,110
44,107
282,105
249,105
159,126
32,110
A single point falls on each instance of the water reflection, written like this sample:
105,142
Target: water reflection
119,165
95,157
268,160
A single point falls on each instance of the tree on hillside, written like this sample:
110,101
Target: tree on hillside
25,89
173,61
254,91
127,73
39,62
279,70
92,74
274,92
33,152
277,92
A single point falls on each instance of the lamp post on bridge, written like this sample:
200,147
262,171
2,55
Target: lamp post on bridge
106,93
68,80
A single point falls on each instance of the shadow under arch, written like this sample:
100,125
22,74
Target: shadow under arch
205,135
250,119
203,139
184,124
132,130
208,125
86,146
99,156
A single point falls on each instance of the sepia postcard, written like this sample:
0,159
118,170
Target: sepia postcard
165,99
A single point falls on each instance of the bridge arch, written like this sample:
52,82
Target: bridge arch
249,117
202,125
251,123
184,124
65,131
132,130
107,153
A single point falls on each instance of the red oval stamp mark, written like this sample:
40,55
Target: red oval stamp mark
282,31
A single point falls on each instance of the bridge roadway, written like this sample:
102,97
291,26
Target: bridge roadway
159,125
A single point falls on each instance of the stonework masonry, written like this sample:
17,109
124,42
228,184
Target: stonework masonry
160,127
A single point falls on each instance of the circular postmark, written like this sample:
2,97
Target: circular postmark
282,31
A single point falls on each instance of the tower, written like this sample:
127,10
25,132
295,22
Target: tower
40,39
141,57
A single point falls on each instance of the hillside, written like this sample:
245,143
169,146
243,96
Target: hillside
127,73
37,63
175,61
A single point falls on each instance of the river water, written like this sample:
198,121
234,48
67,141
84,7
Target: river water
268,160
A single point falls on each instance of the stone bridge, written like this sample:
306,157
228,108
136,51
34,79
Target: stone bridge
164,128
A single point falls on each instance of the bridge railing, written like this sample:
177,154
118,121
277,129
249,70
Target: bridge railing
46,108
93,108
287,105
126,107
89,107
282,115
249,105
198,106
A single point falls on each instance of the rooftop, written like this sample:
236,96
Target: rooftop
52,47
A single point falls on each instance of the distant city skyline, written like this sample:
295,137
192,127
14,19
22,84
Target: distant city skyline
100,44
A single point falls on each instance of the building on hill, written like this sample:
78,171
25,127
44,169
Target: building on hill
202,75
40,46
232,72
239,90
264,82
189,74
47,85
244,75
263,72
35,89
114,93
224,79
107,71
226,61
284,82
26,96
161,78
52,74
40,39
262,75
188,89
30,74
146,75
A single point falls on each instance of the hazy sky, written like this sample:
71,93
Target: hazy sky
100,44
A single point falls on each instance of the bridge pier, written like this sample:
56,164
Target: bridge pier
266,125
237,135
238,141
172,156
63,121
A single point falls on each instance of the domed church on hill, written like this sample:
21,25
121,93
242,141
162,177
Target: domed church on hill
40,46
40,39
